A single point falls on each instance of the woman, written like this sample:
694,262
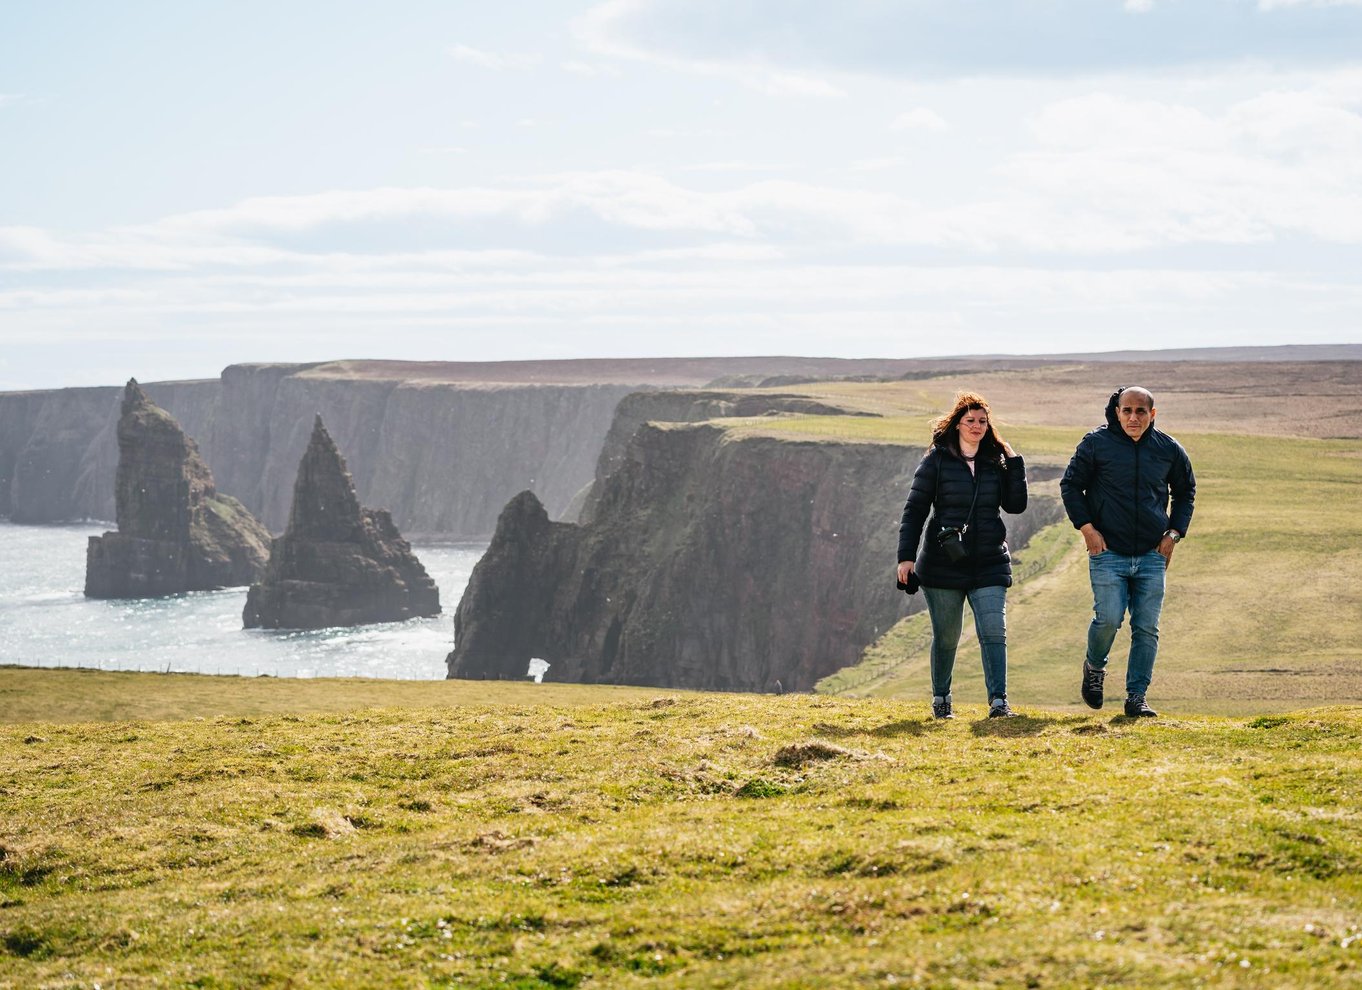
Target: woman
969,473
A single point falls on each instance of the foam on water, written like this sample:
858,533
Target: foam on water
46,621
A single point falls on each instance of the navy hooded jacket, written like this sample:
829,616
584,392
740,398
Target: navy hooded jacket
1123,486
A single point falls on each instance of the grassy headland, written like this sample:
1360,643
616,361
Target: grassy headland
596,837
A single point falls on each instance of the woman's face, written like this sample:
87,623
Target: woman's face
973,426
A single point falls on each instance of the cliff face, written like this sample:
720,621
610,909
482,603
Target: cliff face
681,406
337,564
176,533
443,457
711,563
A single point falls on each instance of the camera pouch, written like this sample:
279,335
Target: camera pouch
951,540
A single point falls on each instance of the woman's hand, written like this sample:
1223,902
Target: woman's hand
905,568
1007,450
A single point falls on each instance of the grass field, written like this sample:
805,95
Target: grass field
599,838
179,831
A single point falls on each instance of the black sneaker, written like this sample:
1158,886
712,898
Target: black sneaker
942,708
999,709
1136,708
1092,685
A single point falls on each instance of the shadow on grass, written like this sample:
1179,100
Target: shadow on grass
1022,725
903,727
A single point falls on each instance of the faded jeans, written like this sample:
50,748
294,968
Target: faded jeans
1121,584
946,606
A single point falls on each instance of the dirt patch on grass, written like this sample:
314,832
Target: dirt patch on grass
802,754
498,842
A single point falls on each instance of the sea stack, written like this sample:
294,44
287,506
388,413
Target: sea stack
176,532
338,563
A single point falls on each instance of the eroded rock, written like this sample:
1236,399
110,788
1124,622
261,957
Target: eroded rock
176,532
338,563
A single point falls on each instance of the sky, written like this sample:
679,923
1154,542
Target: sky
187,185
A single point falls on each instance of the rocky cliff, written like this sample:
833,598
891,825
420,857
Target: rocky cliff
176,533
442,456
711,562
337,564
442,445
681,406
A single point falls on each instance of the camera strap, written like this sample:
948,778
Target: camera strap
969,518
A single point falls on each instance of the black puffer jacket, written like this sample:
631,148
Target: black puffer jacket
1002,485
1123,487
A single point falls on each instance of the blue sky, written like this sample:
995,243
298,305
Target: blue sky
188,185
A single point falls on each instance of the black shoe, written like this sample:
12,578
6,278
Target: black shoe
1136,708
1092,685
999,709
942,709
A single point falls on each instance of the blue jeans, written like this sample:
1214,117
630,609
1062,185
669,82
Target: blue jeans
946,606
1121,584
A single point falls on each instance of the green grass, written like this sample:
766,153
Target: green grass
609,839
31,694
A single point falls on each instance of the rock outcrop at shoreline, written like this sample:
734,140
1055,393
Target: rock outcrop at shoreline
176,532
337,564
712,561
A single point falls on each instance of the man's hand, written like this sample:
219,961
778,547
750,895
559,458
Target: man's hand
1095,541
905,568
1166,546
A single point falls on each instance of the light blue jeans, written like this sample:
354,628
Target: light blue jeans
1121,584
946,606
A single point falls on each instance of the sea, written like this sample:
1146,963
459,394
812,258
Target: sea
46,620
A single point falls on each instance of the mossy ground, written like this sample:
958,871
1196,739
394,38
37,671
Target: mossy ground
597,837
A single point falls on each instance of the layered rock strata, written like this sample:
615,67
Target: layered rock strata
442,446
682,406
338,563
711,562
176,532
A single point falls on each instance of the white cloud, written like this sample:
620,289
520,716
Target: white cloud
878,164
1102,174
600,31
493,60
919,118
1146,173
752,40
735,166
683,133
1277,4
588,70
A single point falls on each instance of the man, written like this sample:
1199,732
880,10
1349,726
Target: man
1116,491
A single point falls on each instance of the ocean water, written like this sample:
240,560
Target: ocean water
46,620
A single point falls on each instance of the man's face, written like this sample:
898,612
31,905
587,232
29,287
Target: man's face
1135,411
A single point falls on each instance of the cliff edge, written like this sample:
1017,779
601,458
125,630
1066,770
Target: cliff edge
176,533
337,564
711,562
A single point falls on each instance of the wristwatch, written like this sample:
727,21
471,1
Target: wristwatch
1174,535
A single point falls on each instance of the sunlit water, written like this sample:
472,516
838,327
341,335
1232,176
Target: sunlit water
46,621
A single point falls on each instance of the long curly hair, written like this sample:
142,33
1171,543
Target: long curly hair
946,432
